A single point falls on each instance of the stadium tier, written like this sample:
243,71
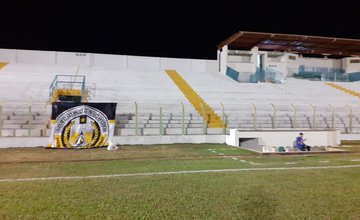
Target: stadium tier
151,103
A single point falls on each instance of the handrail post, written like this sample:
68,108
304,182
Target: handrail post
274,116
333,116
83,90
314,116
350,119
294,120
223,118
183,118
30,120
255,119
161,128
203,114
136,119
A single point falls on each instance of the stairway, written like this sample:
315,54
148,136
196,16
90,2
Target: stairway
204,110
349,91
2,65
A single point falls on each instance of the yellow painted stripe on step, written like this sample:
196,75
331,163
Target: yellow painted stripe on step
343,89
2,65
211,118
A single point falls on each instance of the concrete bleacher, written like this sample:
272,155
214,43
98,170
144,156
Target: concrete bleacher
154,95
296,102
152,91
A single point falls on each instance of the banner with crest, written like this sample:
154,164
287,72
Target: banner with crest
82,125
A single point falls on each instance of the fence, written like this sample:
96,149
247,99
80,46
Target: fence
32,119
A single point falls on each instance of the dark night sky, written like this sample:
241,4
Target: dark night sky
184,29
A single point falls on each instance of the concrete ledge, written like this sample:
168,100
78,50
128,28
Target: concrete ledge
133,126
190,125
152,121
11,126
264,140
177,125
214,130
7,142
34,126
130,131
152,131
174,131
350,137
22,132
168,139
15,121
186,121
7,133
20,117
155,126
195,131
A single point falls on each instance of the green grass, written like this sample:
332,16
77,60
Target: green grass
282,194
315,194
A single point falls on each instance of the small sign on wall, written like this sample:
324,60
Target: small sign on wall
80,54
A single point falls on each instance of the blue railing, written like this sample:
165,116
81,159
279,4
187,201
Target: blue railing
233,74
322,74
274,76
267,75
354,76
71,82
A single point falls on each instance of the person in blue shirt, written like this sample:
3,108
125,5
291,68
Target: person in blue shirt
300,143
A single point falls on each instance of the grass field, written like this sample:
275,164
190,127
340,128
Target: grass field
277,192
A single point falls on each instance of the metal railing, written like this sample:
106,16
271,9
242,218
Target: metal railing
253,115
68,82
300,116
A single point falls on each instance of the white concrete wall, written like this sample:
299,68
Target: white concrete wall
350,67
36,57
283,64
319,62
143,63
168,139
286,138
292,65
175,63
71,58
243,67
7,55
211,66
223,59
111,61
198,65
239,58
116,62
7,142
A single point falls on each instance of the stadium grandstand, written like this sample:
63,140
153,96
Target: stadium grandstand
262,82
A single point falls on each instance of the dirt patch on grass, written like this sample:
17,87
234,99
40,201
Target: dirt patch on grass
174,151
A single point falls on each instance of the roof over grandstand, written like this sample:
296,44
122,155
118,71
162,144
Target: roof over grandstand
301,44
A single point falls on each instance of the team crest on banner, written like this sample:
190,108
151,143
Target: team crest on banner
82,125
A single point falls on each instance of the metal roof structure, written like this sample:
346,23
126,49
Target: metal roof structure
301,44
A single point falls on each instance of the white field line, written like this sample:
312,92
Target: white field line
355,160
175,172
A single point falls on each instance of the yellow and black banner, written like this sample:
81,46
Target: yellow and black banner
82,125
